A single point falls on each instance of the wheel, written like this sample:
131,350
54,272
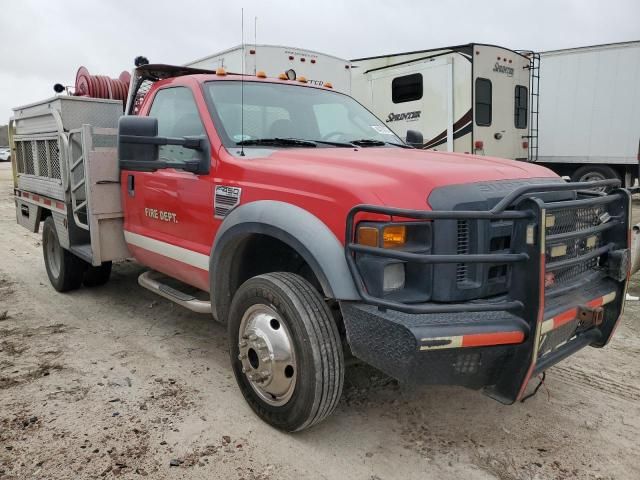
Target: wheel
64,269
285,351
96,276
591,173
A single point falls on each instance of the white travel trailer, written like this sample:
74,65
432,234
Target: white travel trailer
470,98
317,68
589,121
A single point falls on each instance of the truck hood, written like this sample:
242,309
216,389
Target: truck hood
395,177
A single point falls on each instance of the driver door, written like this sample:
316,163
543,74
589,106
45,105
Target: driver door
169,212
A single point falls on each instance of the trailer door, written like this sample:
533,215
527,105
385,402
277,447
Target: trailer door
416,97
501,102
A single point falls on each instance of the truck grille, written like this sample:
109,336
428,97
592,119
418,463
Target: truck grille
574,219
579,223
462,269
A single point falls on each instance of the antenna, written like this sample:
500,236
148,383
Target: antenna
255,44
242,86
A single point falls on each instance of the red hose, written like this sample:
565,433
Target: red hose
100,86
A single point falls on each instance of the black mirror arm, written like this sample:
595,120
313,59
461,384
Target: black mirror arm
153,165
193,143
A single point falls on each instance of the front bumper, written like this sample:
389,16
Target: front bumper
553,306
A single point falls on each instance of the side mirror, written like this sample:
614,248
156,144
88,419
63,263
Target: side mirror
414,138
131,132
138,143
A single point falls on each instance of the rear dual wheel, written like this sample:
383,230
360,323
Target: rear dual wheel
65,270
285,351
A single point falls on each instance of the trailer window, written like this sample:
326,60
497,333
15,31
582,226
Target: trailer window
407,88
177,116
521,106
483,102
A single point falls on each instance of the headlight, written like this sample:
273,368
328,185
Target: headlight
384,276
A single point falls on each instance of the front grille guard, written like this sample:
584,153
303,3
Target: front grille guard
528,213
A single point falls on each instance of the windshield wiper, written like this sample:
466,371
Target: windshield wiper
372,142
335,144
286,142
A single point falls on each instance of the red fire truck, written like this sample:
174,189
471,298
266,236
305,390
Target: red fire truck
294,216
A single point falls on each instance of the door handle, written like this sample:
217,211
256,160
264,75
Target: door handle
131,185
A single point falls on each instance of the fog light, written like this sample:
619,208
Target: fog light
393,277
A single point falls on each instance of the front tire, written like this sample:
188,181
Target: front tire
64,269
285,351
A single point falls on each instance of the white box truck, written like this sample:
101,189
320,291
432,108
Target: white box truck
589,120
470,98
316,68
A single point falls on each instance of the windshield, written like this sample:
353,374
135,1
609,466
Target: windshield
273,112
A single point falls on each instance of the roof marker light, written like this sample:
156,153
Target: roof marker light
328,84
252,51
302,59
302,79
290,57
283,76
313,60
261,74
221,71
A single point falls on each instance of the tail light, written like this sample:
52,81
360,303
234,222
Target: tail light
525,144
478,144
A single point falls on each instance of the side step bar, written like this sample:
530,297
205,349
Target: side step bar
152,280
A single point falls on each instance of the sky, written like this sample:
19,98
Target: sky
43,42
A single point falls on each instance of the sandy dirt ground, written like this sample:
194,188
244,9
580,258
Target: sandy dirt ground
116,382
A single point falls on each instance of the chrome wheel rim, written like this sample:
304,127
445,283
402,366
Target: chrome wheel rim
593,177
267,355
54,253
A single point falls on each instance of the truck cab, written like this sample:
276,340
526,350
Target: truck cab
315,232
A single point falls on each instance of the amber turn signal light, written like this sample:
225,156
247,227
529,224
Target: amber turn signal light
368,236
394,236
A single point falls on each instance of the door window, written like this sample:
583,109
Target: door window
483,102
407,88
177,114
521,106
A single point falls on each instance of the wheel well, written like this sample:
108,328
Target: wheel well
254,255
